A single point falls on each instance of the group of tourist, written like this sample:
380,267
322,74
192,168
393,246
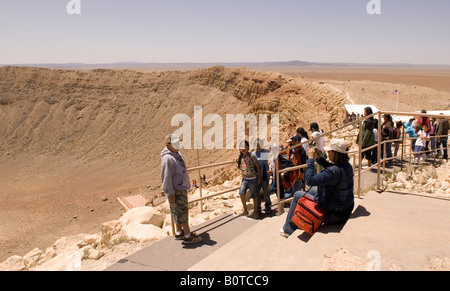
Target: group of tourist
427,135
329,183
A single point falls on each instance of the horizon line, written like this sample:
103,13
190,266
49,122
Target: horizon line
275,63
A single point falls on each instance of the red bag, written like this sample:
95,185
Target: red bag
308,215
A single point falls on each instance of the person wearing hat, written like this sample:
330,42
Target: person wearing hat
332,189
175,183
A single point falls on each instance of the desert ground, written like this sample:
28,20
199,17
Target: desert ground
72,141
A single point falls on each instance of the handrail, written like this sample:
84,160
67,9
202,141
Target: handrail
214,195
210,166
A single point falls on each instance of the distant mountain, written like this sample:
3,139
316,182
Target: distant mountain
137,65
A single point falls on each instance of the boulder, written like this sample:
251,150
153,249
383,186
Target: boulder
143,215
143,232
14,264
89,240
68,243
108,230
94,254
401,177
69,260
32,258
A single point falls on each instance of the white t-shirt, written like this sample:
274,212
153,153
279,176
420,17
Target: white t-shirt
305,145
422,140
320,144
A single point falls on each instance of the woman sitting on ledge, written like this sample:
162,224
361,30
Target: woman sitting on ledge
338,173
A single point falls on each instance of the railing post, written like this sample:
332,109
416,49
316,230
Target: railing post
275,172
360,156
379,153
200,181
403,147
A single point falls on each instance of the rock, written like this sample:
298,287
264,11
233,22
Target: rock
143,215
89,240
167,221
95,254
108,230
68,243
165,209
70,260
104,198
49,254
228,203
14,264
408,185
194,221
32,258
401,177
143,232
227,184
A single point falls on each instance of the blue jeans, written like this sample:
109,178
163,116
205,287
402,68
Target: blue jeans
388,150
297,187
251,185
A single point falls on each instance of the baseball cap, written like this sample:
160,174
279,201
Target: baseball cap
337,145
296,137
173,140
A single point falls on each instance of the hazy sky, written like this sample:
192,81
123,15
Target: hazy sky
406,31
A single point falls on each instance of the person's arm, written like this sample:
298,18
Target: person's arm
324,178
315,153
257,169
166,177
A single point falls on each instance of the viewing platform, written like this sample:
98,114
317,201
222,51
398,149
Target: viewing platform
388,231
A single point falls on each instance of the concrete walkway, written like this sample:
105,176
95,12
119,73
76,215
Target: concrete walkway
405,231
171,255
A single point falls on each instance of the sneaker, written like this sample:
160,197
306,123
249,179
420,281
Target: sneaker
283,234
255,215
192,239
268,211
180,236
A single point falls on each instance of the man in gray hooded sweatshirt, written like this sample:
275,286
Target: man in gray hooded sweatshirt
175,183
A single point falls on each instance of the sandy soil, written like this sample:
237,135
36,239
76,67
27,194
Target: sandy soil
71,138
